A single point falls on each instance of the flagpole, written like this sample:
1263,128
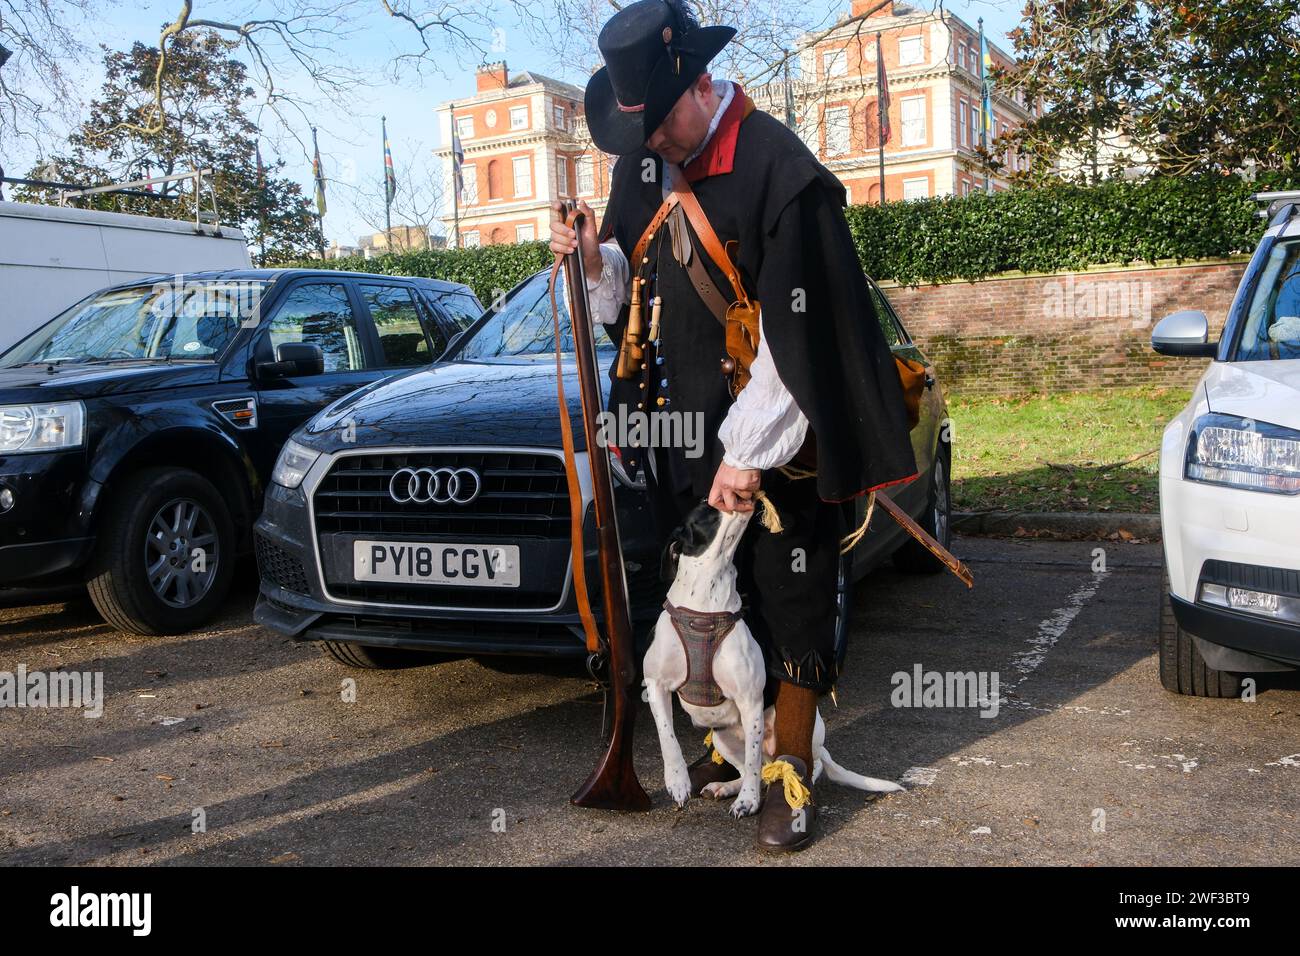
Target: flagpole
880,114
455,187
320,178
984,109
388,194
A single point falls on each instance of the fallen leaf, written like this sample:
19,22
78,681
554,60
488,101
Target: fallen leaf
289,857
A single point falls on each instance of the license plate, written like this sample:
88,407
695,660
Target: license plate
462,565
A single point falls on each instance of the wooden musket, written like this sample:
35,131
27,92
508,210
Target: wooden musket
613,785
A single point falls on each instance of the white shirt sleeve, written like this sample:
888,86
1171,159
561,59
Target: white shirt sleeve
764,428
608,293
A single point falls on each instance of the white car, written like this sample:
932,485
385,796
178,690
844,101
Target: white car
1230,480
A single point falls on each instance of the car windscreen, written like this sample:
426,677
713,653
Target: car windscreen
523,326
186,319
1272,326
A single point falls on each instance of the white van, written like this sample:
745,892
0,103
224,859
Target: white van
51,257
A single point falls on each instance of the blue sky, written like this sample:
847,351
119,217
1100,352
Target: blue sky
349,132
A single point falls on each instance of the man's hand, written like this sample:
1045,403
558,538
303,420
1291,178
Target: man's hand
733,488
564,240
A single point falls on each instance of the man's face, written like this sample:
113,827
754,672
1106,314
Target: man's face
686,125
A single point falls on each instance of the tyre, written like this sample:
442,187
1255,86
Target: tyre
165,554
911,555
1182,669
371,658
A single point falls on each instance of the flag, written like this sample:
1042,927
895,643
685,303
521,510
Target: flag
390,178
457,155
882,93
318,174
986,89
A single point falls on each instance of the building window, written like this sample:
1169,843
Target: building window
469,184
559,117
586,177
835,63
837,131
916,188
913,109
523,176
562,176
911,51
470,239
525,233
961,53
807,129
465,126
965,187
961,123
519,117
974,125
974,60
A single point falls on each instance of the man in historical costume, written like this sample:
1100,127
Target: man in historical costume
823,395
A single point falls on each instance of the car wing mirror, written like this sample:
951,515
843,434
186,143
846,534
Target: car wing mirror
1186,333
294,359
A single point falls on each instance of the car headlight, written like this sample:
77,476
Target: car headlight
25,428
293,464
1241,453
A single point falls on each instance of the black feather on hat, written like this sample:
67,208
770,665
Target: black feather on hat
654,50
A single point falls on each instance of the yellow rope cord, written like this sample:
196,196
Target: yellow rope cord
794,472
708,742
771,520
796,793
850,541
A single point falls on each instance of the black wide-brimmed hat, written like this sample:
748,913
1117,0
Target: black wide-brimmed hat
651,58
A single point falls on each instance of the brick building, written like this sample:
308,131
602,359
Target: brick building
525,143
933,74
525,140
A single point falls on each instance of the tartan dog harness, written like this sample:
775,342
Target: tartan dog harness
701,633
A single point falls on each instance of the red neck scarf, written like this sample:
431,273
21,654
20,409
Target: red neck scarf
720,151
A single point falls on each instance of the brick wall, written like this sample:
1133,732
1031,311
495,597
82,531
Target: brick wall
1031,333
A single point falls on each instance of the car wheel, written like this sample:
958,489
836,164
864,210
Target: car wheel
912,556
371,658
1182,668
165,555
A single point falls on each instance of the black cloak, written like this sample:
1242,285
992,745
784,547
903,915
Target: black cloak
796,256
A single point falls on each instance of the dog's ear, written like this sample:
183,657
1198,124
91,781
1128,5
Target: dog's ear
668,560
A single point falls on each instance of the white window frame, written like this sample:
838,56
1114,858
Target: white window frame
470,239
469,184
965,187
525,233
913,182
558,116
519,117
912,138
961,123
562,177
833,124
524,163
835,63
916,43
961,53
974,124
586,175
465,127
974,54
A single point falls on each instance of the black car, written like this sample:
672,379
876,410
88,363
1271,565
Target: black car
139,427
430,511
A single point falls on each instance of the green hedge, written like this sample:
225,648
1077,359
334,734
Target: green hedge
1049,229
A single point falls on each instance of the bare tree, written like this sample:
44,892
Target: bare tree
417,202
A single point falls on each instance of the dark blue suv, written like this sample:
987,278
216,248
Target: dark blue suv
138,429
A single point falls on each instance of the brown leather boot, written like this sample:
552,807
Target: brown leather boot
704,771
781,827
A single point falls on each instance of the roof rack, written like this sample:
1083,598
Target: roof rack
201,178
1278,202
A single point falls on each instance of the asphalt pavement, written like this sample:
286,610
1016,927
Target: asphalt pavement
236,746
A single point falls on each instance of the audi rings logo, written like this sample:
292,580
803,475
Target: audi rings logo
439,486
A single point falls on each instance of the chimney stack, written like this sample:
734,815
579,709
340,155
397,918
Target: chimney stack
492,76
